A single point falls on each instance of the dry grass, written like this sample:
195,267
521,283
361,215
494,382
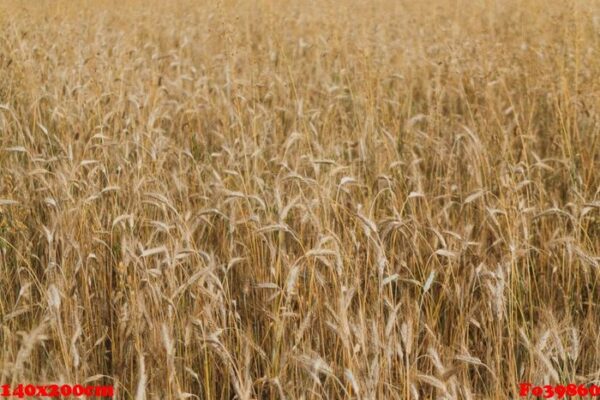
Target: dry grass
300,200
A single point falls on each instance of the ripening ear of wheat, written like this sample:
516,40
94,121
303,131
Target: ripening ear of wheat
300,200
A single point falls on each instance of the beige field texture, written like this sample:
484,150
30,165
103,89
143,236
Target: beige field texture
300,199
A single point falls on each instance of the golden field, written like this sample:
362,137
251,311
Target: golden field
300,200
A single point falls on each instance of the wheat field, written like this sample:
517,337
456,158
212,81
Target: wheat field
259,199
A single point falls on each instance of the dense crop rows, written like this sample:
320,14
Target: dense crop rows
313,199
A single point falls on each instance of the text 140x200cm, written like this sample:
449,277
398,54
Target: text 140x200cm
30,390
